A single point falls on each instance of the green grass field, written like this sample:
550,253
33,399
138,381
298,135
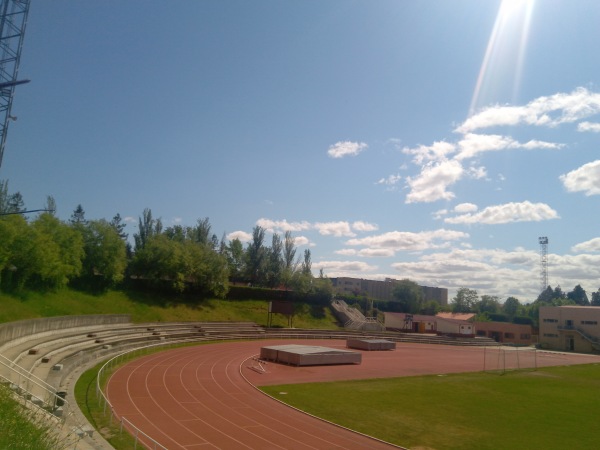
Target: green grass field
551,408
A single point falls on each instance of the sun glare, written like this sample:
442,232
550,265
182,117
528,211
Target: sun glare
504,58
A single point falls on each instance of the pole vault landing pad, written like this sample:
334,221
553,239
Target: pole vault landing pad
371,344
309,355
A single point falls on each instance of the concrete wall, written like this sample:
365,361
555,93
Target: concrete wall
510,333
15,330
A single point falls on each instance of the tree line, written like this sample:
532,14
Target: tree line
409,298
45,252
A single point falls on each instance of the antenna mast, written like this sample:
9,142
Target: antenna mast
13,19
543,262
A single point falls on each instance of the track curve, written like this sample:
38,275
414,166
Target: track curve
204,397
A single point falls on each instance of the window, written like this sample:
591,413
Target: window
480,332
509,335
551,335
589,322
551,320
525,336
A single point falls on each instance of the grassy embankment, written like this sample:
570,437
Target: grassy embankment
551,408
154,308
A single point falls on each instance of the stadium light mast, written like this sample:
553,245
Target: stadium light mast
543,240
13,19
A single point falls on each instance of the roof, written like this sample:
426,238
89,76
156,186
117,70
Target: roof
455,316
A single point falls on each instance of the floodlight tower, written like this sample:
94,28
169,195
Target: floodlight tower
13,19
543,240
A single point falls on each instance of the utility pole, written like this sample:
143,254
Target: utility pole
543,240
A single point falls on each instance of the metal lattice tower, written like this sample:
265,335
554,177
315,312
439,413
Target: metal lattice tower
13,19
543,263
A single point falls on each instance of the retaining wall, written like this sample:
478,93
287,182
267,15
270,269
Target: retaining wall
15,330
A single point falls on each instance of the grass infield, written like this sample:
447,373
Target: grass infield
551,408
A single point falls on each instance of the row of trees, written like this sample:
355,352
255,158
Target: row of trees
45,252
409,298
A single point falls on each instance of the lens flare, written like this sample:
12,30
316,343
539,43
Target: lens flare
501,70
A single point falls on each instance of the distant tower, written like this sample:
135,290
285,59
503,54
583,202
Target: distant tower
13,18
543,262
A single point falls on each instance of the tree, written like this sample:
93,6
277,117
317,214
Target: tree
255,257
147,227
430,308
409,295
274,262
596,298
234,253
464,301
511,307
78,216
488,304
10,203
579,296
119,226
105,254
50,205
306,268
289,254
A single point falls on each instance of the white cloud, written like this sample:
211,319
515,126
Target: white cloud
472,144
346,148
376,252
583,179
432,183
346,252
364,226
477,172
391,180
302,240
334,229
241,235
589,126
465,208
408,241
543,111
343,268
593,245
436,152
506,213
282,225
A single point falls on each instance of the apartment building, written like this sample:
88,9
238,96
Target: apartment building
382,290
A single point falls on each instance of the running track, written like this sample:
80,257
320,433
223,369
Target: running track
203,397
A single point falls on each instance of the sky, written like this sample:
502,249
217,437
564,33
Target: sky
420,139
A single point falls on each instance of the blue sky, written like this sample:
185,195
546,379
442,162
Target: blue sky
427,140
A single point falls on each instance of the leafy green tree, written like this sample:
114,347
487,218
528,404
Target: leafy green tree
306,267
256,257
464,301
596,298
409,295
511,307
147,227
16,203
78,216
430,308
105,253
488,304
579,296
10,203
14,231
289,254
50,205
119,226
234,253
160,260
274,262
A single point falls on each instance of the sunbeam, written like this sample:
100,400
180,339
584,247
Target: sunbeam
502,66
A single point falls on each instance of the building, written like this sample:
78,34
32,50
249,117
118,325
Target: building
419,323
382,290
505,332
570,328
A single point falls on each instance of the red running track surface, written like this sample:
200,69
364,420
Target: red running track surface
204,397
